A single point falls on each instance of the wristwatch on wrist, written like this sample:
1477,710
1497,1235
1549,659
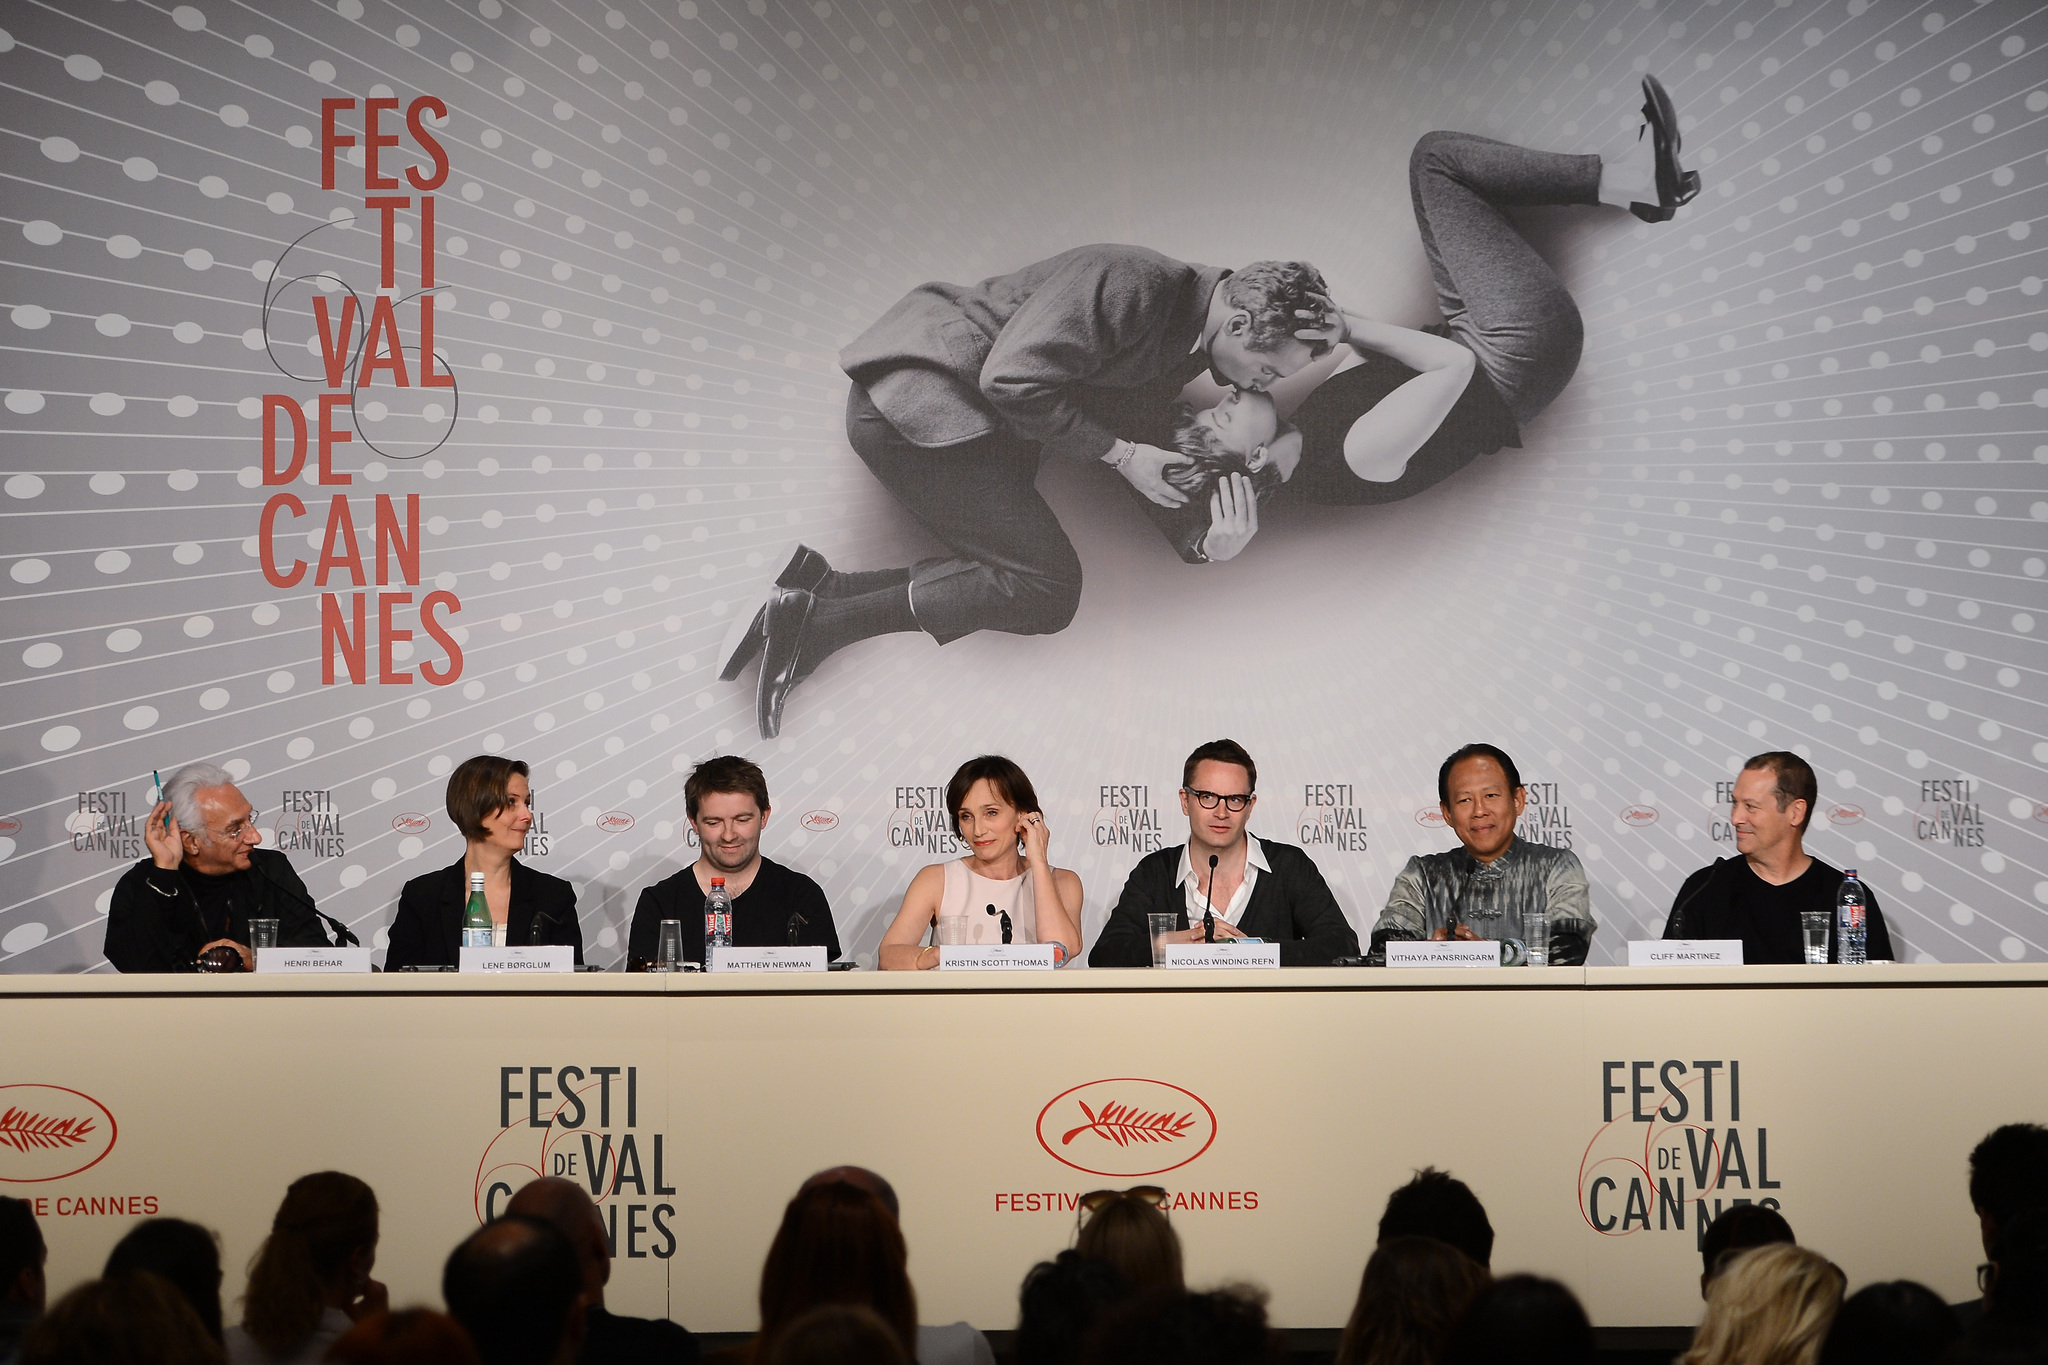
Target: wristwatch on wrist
1120,455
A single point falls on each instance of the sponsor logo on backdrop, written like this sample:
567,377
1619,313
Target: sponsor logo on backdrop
1720,829
9,826
537,839
615,822
582,1123
1639,816
410,822
104,824
1949,813
309,822
1126,1127
1672,1149
1430,817
920,822
818,821
2041,814
49,1132
1331,818
1546,819
1126,818
1842,813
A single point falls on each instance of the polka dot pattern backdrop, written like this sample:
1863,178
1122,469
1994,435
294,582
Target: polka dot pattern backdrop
1796,495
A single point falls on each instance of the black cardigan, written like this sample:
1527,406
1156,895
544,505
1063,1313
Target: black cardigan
427,931
1290,905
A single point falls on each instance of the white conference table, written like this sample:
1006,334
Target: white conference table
1586,1106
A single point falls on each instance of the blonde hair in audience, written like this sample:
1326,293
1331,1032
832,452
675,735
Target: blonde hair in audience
1770,1306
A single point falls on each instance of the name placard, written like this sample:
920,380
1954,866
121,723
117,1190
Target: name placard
312,960
559,958
996,957
810,959
1223,955
1684,952
1451,953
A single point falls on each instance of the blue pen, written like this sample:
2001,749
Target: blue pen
160,796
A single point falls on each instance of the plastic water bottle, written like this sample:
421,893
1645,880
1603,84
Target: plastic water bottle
717,918
476,916
1851,921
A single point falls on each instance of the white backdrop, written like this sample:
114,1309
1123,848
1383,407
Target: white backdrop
1794,497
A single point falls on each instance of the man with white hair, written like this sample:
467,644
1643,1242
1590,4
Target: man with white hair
204,880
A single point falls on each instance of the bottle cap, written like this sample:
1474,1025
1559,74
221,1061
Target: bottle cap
1849,872
718,881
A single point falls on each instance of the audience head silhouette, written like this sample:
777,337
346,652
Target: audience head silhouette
1165,1327
1522,1320
1060,1301
838,1334
1437,1204
563,1204
1131,1234
136,1317
1412,1294
184,1254
515,1286
413,1336
1738,1229
322,1244
838,1244
1899,1323
1771,1305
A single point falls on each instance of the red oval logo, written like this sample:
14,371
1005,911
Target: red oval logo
819,820
2041,814
1126,1126
9,825
615,822
1430,817
1639,815
412,822
1844,814
49,1132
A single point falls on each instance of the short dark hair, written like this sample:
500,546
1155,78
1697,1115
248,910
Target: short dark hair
1738,1228
1522,1320
410,1336
21,1241
1437,1204
479,787
1060,1301
130,1319
1220,751
1410,1298
838,1334
1006,777
1795,779
1274,292
1225,1326
726,773
2009,1170
1507,765
1895,1323
184,1254
512,1284
2019,1282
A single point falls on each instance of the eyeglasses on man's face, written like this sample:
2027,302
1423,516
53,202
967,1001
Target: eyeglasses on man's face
1234,802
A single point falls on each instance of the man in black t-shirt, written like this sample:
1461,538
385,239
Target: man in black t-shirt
1759,896
772,906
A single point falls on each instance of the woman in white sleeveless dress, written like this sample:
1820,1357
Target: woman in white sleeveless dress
1006,877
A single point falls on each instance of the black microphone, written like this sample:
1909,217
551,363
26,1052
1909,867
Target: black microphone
797,924
1209,909
533,938
1005,921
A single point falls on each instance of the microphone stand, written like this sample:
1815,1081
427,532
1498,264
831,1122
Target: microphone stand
797,924
1005,919
1209,905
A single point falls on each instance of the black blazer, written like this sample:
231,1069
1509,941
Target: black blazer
427,931
1291,906
154,924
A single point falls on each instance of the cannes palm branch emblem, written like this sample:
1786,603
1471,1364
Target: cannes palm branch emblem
1126,1126
48,1132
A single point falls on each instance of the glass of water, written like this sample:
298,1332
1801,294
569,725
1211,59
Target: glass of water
668,950
262,934
1161,926
1536,939
1813,925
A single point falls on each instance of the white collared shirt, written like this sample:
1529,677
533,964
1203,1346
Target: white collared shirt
1196,882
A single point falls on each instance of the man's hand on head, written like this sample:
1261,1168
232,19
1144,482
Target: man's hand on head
1146,470
165,840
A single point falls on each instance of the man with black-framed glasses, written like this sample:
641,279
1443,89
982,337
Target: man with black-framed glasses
204,880
1225,880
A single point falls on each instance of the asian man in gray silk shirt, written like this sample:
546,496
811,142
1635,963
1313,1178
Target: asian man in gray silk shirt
1493,884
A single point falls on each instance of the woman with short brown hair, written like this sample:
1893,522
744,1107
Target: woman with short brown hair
838,1244
491,802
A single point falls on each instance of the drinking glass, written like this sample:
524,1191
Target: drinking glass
955,929
1813,924
1161,926
668,951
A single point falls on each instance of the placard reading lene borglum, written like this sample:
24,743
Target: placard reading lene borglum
996,957
1684,952
547,959
810,959
312,960
1223,955
1454,953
